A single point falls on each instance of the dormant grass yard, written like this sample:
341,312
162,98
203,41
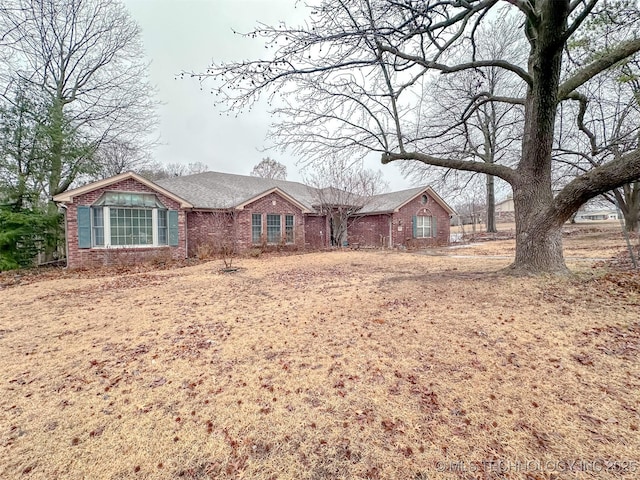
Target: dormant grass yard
348,364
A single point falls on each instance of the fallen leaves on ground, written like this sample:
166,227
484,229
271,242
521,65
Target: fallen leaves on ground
321,366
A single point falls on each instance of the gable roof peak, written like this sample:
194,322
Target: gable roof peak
69,195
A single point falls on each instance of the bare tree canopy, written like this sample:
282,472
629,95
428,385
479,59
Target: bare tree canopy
83,60
157,171
270,168
356,78
492,132
608,129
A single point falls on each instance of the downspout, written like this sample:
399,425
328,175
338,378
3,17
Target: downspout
186,235
391,230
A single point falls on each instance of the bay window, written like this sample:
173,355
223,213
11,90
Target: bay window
127,219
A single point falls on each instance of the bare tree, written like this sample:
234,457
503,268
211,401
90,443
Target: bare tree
197,167
222,239
492,132
84,57
118,157
352,78
470,203
340,191
157,171
226,237
270,168
609,128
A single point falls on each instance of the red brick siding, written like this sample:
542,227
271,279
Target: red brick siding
207,230
370,231
404,219
316,232
210,231
271,204
373,230
87,257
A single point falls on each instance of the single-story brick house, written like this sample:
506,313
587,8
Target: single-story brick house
127,218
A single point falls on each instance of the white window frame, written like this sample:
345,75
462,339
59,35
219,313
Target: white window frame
256,241
279,240
293,229
106,218
422,228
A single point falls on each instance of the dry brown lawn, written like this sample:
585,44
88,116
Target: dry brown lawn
378,365
578,242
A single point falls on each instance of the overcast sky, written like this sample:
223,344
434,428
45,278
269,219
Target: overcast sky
187,35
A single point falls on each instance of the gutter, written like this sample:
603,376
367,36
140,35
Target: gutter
186,235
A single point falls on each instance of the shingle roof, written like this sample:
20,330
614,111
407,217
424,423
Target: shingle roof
215,190
388,202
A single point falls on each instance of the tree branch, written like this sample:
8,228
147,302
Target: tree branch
525,7
507,174
579,19
583,101
596,182
458,68
607,60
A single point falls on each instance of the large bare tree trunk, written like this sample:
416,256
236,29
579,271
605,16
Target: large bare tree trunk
631,223
538,235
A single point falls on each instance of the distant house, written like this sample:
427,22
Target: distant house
588,216
127,218
505,210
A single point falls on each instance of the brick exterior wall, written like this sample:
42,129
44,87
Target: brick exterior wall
369,231
271,204
316,231
209,231
88,257
402,227
373,230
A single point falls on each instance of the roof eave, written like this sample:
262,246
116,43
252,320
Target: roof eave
431,192
278,191
69,195
376,212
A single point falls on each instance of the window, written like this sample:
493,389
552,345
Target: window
288,228
274,234
423,227
98,226
162,227
131,226
129,219
424,199
256,227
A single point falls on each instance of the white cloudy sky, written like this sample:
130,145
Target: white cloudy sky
187,35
